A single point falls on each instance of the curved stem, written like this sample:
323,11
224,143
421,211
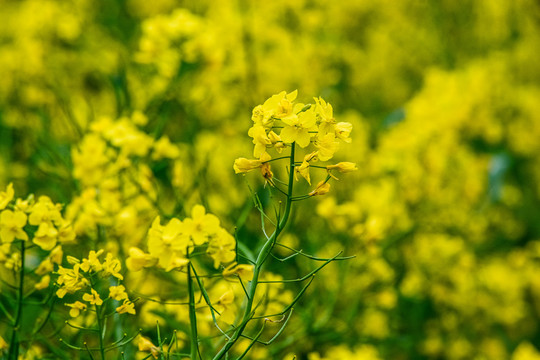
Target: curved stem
263,255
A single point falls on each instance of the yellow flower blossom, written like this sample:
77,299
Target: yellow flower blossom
76,308
92,263
164,149
146,345
66,234
298,126
43,283
226,307
343,131
45,236
321,189
70,281
303,169
242,165
112,266
138,259
165,241
327,146
276,141
24,205
6,196
343,167
118,292
244,271
201,225
126,307
56,255
260,140
93,298
45,267
177,263
277,106
222,248
3,344
45,211
325,116
11,226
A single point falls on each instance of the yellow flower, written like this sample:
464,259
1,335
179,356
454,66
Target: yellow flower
177,263
244,271
45,267
201,225
3,344
260,139
93,298
56,255
76,308
222,248
321,189
112,266
277,106
45,236
166,241
327,146
92,263
276,141
303,170
118,292
138,259
343,167
70,281
6,196
146,345
242,165
43,283
126,307
163,148
325,115
226,307
343,131
45,211
24,205
11,224
298,126
266,172
66,234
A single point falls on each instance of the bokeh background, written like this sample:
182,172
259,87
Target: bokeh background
443,215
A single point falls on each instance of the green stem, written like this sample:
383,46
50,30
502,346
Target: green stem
263,255
100,329
192,316
14,343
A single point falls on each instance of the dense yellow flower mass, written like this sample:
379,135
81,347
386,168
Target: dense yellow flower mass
123,220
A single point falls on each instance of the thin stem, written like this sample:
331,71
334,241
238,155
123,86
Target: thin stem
192,316
14,343
100,329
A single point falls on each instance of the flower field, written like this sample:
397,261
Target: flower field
243,179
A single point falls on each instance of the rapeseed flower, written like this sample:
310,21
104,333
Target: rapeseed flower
93,298
76,308
11,226
6,196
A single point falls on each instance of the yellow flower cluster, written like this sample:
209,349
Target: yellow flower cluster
171,245
280,122
51,229
83,277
